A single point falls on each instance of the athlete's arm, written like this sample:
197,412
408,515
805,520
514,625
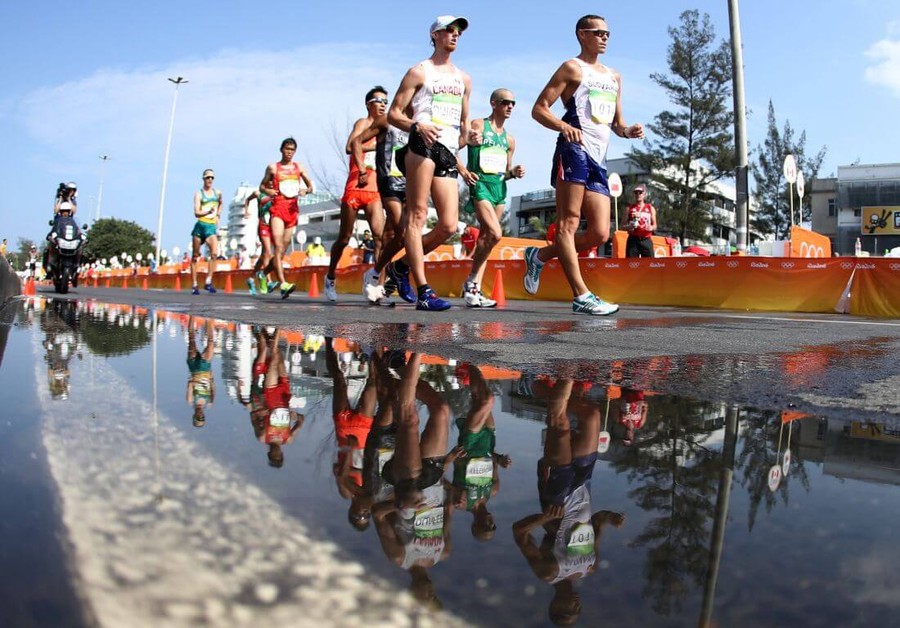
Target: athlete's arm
464,116
197,204
253,195
357,142
618,126
653,229
310,188
568,74
397,114
267,180
474,137
512,172
358,127
219,206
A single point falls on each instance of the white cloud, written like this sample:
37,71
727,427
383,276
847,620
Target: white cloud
885,67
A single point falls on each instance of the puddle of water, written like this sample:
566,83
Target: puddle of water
566,500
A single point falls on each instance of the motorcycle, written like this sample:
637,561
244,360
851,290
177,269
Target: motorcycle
63,255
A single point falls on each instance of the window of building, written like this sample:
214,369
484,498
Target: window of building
832,207
857,212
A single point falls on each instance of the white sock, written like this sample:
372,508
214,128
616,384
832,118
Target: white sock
582,297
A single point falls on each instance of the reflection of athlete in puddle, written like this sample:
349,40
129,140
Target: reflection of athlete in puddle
351,428
632,413
475,472
414,528
570,545
201,386
274,423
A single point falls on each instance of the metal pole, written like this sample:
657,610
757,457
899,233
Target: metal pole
742,219
104,159
162,195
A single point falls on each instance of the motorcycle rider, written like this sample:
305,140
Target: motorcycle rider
64,206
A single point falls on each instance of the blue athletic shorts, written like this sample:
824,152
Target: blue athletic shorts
572,164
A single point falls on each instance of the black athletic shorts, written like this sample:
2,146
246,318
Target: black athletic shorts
392,187
444,160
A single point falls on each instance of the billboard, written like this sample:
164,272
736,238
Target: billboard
881,220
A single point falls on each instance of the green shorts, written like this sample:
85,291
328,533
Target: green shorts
492,190
203,230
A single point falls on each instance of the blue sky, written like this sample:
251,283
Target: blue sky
84,79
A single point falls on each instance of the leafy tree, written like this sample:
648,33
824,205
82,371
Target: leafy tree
692,146
19,258
772,190
110,237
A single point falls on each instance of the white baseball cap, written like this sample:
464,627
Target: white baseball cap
443,21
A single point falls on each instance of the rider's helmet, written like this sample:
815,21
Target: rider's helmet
71,185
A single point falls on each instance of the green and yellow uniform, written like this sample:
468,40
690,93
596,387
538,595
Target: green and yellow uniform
489,161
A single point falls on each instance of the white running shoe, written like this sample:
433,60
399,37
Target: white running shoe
533,268
330,291
474,297
593,306
374,294
370,286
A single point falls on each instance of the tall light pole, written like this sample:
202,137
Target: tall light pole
162,195
742,211
104,159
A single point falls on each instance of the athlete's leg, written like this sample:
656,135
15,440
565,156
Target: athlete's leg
445,196
393,237
348,219
569,198
419,173
489,235
196,244
277,227
212,243
375,217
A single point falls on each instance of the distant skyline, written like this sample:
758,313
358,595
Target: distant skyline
86,81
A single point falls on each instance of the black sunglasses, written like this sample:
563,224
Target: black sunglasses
506,102
383,101
597,32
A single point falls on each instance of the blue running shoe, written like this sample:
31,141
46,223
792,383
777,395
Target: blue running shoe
251,285
195,290
210,288
533,268
273,286
431,302
593,306
404,288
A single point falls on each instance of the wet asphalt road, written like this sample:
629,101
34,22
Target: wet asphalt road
837,366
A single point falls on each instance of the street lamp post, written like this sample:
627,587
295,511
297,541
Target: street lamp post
742,209
162,195
104,159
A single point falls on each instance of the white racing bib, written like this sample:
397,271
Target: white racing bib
446,112
479,471
581,540
280,417
289,188
429,522
492,159
603,105
369,160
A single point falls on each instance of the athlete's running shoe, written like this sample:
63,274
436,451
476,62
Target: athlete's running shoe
533,268
287,289
401,280
210,288
263,283
431,302
195,290
474,297
593,306
370,287
251,285
330,290
273,286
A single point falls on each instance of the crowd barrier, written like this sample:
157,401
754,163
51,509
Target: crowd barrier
862,287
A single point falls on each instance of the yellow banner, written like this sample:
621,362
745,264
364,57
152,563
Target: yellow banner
881,220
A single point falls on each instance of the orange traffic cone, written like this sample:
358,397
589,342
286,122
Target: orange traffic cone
108,281
314,286
228,287
96,281
498,294
178,282
125,282
144,283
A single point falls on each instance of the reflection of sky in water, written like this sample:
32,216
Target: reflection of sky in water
819,550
